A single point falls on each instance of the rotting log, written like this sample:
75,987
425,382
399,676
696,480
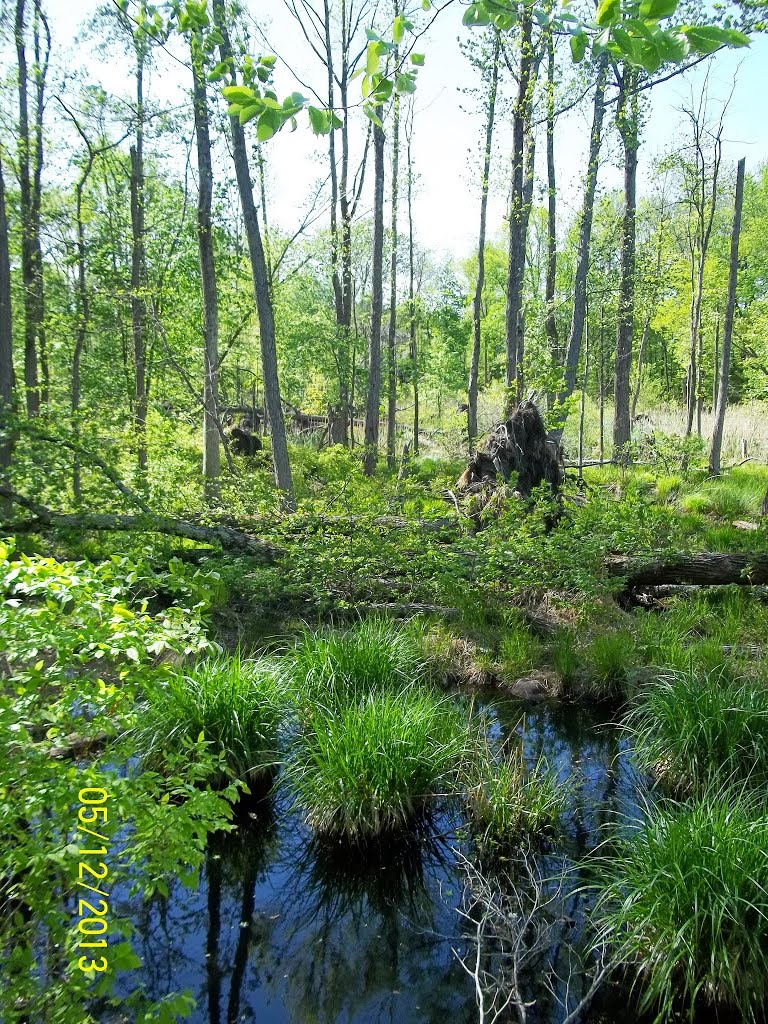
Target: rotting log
46,519
706,569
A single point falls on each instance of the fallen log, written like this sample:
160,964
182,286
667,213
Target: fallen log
44,518
706,569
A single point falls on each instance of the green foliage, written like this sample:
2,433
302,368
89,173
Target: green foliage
695,728
683,901
565,656
373,764
231,705
610,657
519,651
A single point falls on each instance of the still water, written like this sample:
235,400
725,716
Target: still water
283,930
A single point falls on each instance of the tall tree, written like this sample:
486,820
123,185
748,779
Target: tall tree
274,408
7,375
477,304
627,119
725,365
392,326
211,454
371,455
551,281
414,351
30,161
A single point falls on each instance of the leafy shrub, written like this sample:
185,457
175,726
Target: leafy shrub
685,900
372,765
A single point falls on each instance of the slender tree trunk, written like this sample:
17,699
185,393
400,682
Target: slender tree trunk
716,364
31,327
601,383
477,304
40,75
211,453
583,402
83,321
7,375
392,326
377,285
700,384
517,240
551,282
578,317
640,358
627,117
138,266
725,364
530,165
272,402
412,301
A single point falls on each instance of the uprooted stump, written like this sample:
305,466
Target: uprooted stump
519,446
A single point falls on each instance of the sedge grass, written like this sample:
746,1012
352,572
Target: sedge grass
609,657
373,655
696,726
368,766
684,900
233,704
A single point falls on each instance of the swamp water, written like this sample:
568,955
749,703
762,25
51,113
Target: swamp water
368,937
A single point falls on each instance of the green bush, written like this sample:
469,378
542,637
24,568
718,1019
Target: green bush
684,900
234,705
372,765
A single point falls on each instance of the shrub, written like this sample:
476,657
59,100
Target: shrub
685,900
701,726
235,705
371,766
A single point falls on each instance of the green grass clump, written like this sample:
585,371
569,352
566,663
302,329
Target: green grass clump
667,487
235,705
565,657
374,654
694,727
371,766
685,900
506,799
609,658
519,652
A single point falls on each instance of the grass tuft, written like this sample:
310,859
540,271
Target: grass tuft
371,766
685,900
236,706
609,657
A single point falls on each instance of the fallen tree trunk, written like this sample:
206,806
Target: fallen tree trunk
706,569
44,518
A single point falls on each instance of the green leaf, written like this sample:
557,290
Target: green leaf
506,20
417,59
398,29
578,47
372,59
608,12
476,15
319,120
653,10
247,113
426,5
238,94
705,38
371,114
405,83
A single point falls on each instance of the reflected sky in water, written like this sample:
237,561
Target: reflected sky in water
283,929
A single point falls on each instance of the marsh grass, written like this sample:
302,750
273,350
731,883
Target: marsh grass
507,799
565,656
684,900
519,651
370,766
372,656
234,704
609,658
697,726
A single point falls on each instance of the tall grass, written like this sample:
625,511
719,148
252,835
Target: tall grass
507,799
236,705
372,765
685,901
699,726
609,658
373,655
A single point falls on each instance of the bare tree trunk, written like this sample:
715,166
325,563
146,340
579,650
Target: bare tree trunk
578,317
716,366
627,118
412,299
377,285
601,384
138,266
40,74
725,365
640,357
31,380
211,453
7,375
551,282
477,304
530,164
392,326
583,402
272,403
517,240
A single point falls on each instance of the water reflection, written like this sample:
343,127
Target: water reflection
285,929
